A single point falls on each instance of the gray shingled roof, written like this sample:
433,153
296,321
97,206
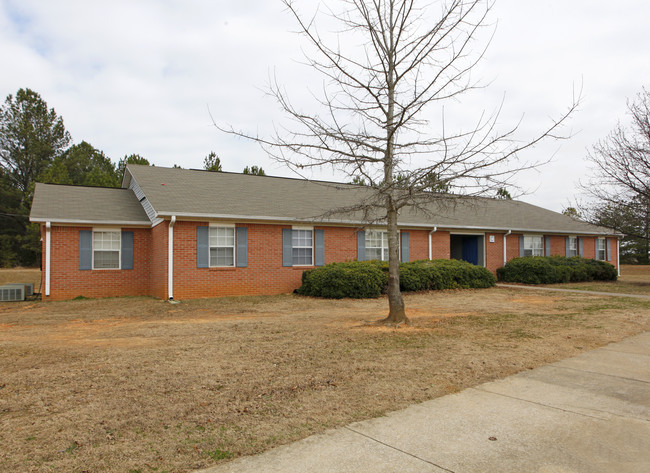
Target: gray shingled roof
204,194
76,204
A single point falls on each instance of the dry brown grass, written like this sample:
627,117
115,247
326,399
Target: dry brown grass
141,385
21,275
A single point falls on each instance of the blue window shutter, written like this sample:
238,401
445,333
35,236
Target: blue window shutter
609,249
567,246
287,247
547,246
85,249
319,247
521,245
580,247
127,250
361,245
242,246
202,246
405,247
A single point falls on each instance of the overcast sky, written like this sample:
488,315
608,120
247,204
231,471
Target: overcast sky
140,76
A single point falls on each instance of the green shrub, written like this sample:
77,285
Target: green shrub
361,279
339,280
555,269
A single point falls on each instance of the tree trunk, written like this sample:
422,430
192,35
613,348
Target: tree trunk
396,312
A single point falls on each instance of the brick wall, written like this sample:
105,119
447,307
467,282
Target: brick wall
440,245
494,251
68,281
588,247
418,244
159,252
264,274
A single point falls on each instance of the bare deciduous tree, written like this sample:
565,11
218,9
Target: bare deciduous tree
621,162
391,66
619,186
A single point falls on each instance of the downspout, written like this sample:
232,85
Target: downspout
48,258
618,255
435,229
505,254
170,258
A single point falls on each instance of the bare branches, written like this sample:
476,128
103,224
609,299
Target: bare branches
621,162
394,64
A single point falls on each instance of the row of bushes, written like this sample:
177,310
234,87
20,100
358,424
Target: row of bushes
362,279
555,269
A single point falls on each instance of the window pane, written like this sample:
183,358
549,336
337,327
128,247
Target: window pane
106,240
221,257
373,253
301,238
302,256
222,236
106,259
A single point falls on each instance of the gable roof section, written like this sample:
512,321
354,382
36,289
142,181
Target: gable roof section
86,205
212,195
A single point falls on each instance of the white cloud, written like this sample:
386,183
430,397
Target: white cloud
138,77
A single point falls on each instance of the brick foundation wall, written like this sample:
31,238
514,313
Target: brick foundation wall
67,281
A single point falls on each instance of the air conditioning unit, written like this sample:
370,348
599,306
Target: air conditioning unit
29,287
12,293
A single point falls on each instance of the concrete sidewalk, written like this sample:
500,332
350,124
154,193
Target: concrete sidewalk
590,414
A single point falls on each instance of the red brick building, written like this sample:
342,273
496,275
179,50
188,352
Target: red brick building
175,233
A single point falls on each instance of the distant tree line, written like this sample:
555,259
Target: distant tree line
35,147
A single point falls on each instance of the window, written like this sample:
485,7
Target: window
302,247
376,245
222,246
601,251
573,246
106,249
533,245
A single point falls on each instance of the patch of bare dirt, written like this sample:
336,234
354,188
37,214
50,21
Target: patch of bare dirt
138,384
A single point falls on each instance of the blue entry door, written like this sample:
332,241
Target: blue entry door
470,249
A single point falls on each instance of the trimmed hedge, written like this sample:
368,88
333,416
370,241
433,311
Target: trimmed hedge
338,280
556,269
362,279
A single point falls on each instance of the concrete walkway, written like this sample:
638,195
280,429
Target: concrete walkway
580,291
590,414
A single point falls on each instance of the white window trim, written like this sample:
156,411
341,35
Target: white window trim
307,229
577,248
382,247
604,248
92,247
234,245
530,235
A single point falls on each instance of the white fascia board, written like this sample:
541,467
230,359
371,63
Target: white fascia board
163,214
86,223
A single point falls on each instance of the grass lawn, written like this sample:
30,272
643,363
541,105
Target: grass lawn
634,279
141,385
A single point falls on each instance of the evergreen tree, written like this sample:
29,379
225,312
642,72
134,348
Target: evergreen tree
212,162
254,170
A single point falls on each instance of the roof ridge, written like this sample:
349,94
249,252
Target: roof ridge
299,179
